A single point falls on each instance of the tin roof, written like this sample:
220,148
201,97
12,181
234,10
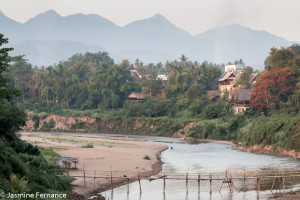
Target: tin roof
162,77
135,75
241,95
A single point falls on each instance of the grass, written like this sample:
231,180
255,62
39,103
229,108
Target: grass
33,135
49,154
104,143
88,146
51,157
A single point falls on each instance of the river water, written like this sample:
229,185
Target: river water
205,158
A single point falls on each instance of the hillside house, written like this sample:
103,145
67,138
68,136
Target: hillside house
240,100
225,82
163,78
231,74
137,97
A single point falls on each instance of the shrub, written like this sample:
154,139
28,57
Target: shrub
78,124
147,158
88,146
36,120
216,110
18,184
204,130
42,115
47,126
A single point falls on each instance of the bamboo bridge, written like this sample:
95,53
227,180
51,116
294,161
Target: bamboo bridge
277,179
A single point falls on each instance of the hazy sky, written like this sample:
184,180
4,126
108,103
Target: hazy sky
280,17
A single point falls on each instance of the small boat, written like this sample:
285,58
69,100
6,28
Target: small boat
156,177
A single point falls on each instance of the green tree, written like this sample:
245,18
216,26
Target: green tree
152,87
195,91
296,48
111,86
281,58
11,118
20,72
243,82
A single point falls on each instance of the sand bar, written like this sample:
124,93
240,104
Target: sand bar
124,156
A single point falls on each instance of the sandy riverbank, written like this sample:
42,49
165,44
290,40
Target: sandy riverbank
122,155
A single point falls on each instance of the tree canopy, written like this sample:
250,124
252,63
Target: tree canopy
284,57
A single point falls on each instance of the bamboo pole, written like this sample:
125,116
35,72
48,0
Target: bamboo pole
111,180
210,183
187,183
225,179
127,185
199,183
84,176
244,189
164,182
283,184
257,183
231,183
275,179
95,179
139,181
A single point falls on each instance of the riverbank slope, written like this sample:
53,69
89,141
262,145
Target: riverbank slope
276,134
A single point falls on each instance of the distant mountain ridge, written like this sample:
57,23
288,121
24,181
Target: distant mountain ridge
48,38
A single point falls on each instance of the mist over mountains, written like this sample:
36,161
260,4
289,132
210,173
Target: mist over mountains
49,38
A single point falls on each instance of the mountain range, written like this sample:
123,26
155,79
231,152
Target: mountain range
49,38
